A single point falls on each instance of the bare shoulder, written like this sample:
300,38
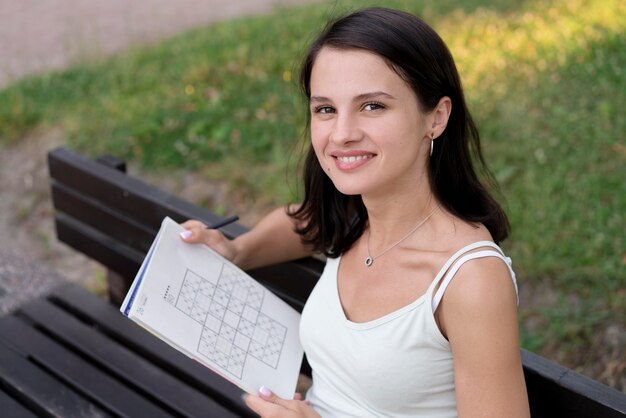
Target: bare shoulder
482,296
482,291
480,282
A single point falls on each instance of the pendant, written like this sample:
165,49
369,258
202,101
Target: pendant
369,261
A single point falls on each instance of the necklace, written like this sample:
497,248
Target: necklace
369,260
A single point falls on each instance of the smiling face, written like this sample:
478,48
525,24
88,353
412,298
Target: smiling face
367,129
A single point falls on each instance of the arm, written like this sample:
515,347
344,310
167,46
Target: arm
271,241
478,314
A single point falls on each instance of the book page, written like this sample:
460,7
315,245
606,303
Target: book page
203,305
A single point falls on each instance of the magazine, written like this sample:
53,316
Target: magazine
206,307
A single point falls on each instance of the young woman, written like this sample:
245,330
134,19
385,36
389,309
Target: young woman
415,314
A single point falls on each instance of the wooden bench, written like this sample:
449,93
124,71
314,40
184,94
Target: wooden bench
72,354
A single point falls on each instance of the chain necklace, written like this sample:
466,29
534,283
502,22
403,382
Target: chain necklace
369,260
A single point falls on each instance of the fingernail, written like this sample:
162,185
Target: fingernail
243,397
265,392
186,234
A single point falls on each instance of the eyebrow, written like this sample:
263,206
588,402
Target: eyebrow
360,97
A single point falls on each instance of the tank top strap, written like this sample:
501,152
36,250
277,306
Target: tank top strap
457,260
455,257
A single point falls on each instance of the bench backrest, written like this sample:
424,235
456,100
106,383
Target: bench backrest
113,218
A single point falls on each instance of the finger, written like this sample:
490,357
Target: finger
192,223
262,407
197,234
266,394
191,226
298,397
254,403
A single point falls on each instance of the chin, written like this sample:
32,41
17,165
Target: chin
349,189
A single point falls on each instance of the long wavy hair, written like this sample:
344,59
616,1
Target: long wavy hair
331,221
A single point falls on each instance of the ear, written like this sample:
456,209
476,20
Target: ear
439,116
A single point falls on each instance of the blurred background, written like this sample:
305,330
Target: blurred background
201,99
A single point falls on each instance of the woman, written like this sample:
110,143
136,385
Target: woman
392,198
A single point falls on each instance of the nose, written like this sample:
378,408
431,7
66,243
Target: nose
345,129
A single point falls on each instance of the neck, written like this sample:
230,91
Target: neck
391,217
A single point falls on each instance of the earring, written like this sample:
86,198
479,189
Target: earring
432,143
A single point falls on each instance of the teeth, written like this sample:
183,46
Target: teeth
352,158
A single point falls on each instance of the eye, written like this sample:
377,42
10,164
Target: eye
323,109
372,106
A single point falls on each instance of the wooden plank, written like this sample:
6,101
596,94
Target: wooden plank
113,162
554,390
11,408
127,194
121,362
84,378
113,223
39,389
111,322
114,255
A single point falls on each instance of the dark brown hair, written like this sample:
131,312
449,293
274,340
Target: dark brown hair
332,221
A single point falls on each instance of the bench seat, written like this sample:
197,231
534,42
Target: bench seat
73,354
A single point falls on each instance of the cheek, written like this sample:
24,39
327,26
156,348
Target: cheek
318,140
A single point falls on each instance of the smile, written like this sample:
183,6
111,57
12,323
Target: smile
352,162
353,158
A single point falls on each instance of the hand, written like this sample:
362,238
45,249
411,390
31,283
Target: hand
196,232
268,405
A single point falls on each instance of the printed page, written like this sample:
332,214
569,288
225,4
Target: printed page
208,308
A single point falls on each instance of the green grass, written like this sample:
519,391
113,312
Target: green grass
546,81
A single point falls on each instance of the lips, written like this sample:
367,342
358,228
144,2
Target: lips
351,160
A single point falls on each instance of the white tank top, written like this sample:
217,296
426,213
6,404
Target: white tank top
398,365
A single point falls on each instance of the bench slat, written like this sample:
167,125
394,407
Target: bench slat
121,362
119,227
128,195
112,323
36,387
570,394
116,256
83,377
10,408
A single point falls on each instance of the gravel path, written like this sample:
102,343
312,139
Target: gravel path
40,35
30,255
